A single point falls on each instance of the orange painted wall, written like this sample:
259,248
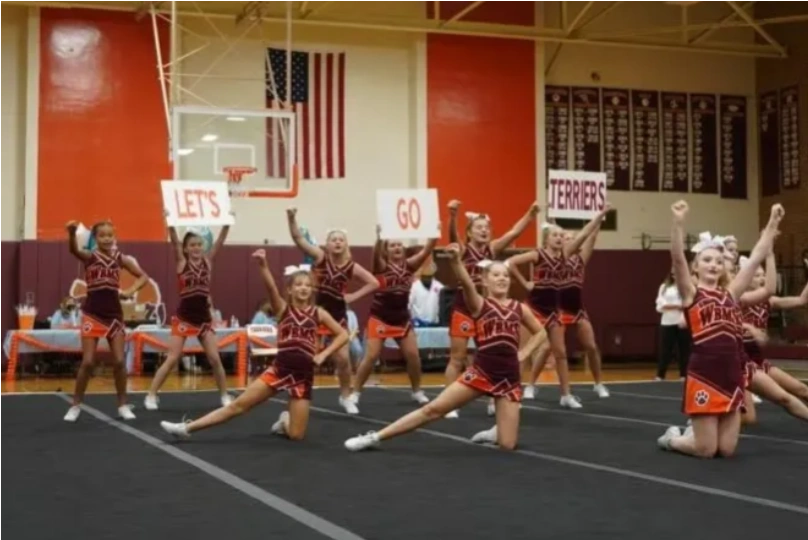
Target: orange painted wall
481,135
102,132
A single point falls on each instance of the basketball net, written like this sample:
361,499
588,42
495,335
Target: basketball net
234,177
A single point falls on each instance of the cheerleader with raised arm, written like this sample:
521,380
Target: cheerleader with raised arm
102,314
389,314
497,361
714,387
293,369
334,269
193,317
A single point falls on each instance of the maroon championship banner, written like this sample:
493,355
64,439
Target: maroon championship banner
616,138
645,119
675,170
586,129
557,123
790,136
733,147
703,119
769,138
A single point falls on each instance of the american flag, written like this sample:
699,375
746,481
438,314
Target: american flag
318,97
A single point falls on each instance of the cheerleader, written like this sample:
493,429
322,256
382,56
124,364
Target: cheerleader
549,277
714,387
573,313
478,247
334,269
193,317
102,314
293,369
389,313
765,380
496,369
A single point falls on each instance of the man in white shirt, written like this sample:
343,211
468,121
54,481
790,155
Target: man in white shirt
425,297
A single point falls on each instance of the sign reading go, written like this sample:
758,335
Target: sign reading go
405,214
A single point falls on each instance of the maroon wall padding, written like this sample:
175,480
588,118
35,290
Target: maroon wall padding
620,290
10,265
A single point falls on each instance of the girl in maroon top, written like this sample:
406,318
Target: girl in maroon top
714,385
478,246
102,315
550,275
390,314
334,269
497,361
765,380
193,317
573,313
293,369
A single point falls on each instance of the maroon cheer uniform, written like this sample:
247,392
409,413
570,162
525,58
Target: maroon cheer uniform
332,282
193,316
462,323
389,313
102,315
293,368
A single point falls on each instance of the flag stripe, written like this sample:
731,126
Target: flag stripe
317,113
341,116
329,116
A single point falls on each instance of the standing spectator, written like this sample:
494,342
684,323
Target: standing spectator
674,334
425,298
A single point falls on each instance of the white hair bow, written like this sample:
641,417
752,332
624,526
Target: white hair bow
707,241
730,238
485,263
546,225
471,216
743,262
292,269
329,232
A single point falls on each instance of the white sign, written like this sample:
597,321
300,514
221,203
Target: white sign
575,194
408,214
192,203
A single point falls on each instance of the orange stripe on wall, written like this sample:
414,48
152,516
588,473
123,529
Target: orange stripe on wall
102,132
481,135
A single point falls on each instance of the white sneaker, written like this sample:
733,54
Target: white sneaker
452,414
601,390
227,399
530,392
72,413
151,402
491,410
354,397
570,402
349,405
664,441
279,427
420,398
688,432
125,412
179,430
489,436
363,442
756,400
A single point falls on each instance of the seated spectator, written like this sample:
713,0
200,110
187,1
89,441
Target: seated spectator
67,316
263,314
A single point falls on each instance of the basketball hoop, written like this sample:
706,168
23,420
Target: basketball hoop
234,177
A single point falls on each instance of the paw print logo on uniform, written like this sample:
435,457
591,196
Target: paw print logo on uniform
465,326
702,397
469,376
183,327
381,328
86,327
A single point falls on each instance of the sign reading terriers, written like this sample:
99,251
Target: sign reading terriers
576,194
193,203
408,213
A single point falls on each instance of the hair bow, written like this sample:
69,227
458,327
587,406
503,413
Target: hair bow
329,232
743,262
292,269
707,241
471,216
730,238
485,263
546,225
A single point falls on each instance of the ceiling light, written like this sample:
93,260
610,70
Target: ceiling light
185,151
236,119
209,137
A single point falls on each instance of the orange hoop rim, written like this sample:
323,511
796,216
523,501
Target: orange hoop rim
235,174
